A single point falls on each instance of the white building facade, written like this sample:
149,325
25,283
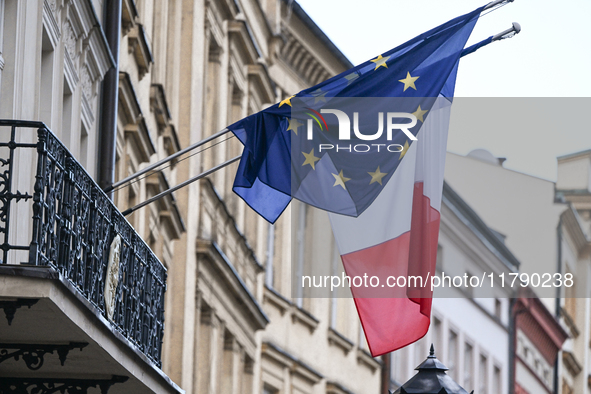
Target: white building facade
470,327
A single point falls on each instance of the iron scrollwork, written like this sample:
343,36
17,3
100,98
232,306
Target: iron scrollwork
10,307
48,386
6,194
74,224
34,354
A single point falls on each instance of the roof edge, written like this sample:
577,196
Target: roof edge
318,32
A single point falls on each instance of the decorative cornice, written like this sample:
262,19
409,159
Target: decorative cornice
238,31
228,217
159,105
233,282
139,46
50,22
129,104
276,299
171,141
168,212
318,33
570,323
364,358
335,388
287,360
296,56
338,340
573,224
299,315
571,363
129,15
574,156
99,59
534,319
260,75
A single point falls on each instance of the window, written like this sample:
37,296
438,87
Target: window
483,375
498,308
437,335
233,148
468,366
497,381
300,253
334,302
395,366
469,289
9,25
362,341
298,290
439,263
269,390
421,353
46,101
452,357
67,103
83,157
399,366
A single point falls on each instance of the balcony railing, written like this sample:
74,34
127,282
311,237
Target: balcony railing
76,230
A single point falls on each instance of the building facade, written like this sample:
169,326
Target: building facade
233,323
82,292
545,225
470,327
573,232
195,292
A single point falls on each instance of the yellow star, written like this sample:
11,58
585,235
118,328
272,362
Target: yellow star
319,95
293,125
340,180
404,150
351,77
380,61
409,82
310,159
377,176
286,101
419,113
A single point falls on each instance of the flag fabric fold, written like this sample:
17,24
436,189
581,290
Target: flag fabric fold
384,208
415,70
395,240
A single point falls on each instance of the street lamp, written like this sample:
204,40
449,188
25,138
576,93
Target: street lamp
431,379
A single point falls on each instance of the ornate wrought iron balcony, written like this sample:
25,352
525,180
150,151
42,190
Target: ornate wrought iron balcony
77,231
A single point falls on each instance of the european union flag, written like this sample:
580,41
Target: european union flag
286,143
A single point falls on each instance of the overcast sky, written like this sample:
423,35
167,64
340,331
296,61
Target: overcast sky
550,58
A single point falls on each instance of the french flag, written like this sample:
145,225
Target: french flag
395,240
388,232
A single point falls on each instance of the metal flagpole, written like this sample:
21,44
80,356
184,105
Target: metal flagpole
516,28
180,185
499,36
166,159
496,3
